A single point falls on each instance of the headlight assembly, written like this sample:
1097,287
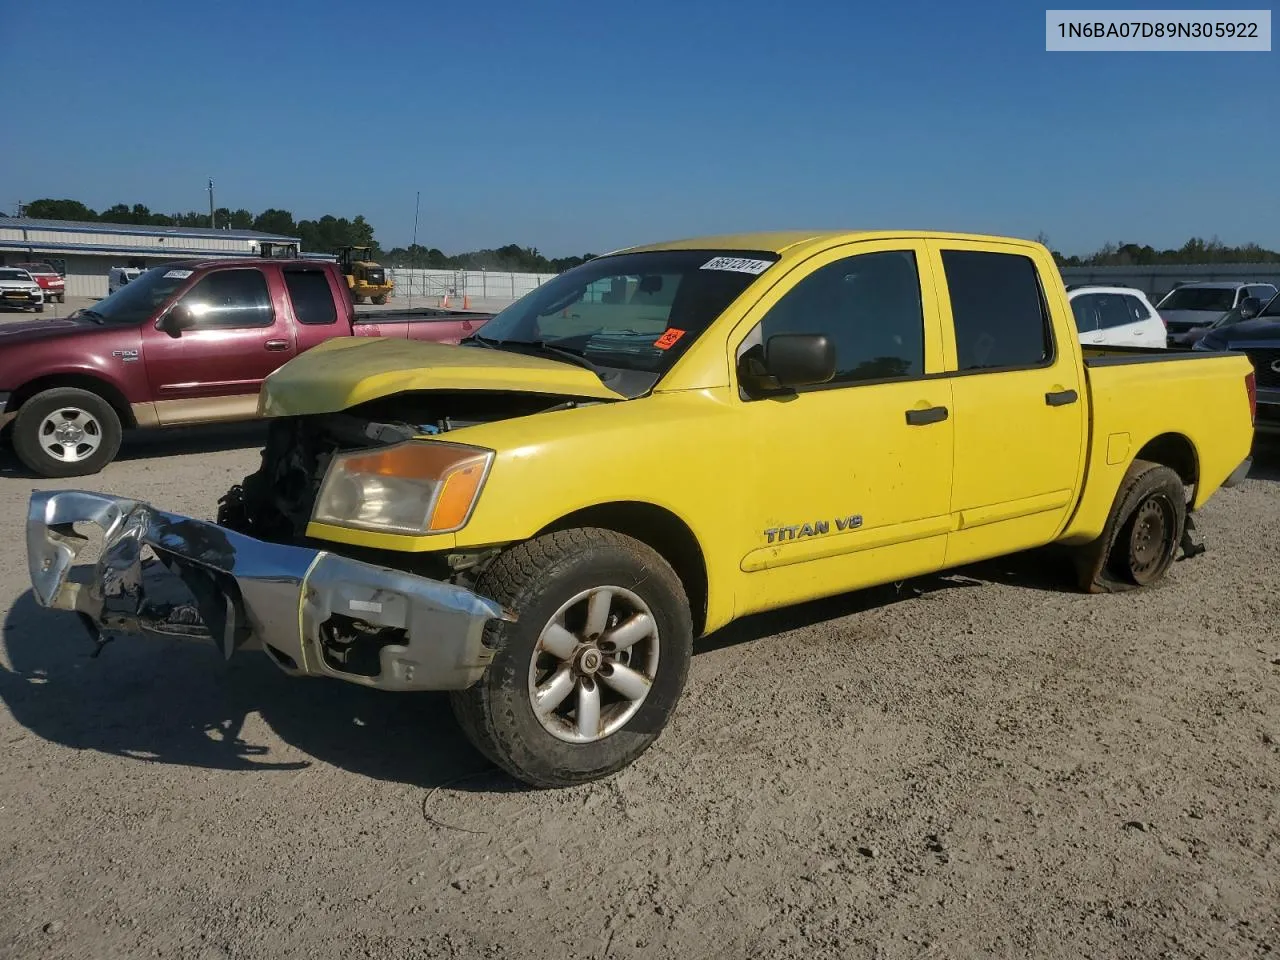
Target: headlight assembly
412,487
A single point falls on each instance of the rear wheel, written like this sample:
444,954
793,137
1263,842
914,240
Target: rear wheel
66,432
1142,535
587,677
62,298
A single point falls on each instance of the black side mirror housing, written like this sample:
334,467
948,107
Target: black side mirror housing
1249,308
178,318
788,361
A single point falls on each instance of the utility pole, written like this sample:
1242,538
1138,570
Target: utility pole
212,225
416,202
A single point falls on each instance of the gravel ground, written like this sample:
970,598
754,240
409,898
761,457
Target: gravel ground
985,764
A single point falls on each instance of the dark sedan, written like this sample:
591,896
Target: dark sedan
1259,338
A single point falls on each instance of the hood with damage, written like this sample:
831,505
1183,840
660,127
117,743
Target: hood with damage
348,371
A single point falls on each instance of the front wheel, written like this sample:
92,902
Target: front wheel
587,677
66,432
380,300
40,308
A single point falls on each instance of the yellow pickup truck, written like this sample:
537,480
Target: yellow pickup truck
542,519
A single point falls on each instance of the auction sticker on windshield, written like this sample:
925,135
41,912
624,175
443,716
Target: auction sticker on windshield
668,339
737,264
177,274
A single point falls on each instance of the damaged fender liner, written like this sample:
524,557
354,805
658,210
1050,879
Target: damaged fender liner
299,604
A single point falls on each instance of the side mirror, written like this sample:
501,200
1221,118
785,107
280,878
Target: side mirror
1249,308
178,318
788,360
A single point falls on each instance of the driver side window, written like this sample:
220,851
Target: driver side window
868,306
230,299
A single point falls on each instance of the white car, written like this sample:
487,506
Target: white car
19,289
119,276
1116,317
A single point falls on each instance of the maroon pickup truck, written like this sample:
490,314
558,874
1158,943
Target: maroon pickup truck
185,343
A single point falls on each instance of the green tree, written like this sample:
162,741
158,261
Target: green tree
275,221
47,209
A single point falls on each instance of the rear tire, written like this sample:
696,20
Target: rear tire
62,298
1142,535
66,432
573,591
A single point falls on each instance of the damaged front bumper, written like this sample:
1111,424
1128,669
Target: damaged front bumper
313,612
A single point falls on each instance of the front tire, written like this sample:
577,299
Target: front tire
380,300
588,676
66,432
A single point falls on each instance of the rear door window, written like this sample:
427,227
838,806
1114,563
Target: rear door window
1113,311
311,296
1086,313
1001,320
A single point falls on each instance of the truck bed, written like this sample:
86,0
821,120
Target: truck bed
1141,396
427,323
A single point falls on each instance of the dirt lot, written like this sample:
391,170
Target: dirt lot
986,764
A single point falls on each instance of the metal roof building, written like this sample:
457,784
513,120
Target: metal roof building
84,252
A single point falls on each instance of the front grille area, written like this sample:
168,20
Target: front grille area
1264,362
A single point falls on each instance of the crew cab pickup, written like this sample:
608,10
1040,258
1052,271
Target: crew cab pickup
184,343
649,446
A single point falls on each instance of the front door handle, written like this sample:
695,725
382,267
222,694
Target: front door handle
277,344
1060,398
918,418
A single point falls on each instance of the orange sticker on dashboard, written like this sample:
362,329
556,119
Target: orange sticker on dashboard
668,339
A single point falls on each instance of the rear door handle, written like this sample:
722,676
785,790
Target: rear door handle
277,344
918,418
1060,398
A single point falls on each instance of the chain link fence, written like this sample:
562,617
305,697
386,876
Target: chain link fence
491,287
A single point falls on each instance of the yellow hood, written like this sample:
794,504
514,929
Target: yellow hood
348,371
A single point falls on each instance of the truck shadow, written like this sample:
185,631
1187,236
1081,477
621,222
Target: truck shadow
1266,459
178,703
158,444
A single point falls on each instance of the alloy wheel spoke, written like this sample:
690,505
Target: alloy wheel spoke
554,692
598,605
588,709
559,642
629,632
632,684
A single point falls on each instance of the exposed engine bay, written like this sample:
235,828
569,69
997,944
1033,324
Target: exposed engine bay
275,502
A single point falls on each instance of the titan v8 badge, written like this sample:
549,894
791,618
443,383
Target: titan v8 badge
815,529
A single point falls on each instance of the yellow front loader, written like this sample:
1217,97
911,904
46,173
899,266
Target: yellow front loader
366,279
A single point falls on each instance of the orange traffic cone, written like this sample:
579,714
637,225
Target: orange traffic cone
466,302
444,302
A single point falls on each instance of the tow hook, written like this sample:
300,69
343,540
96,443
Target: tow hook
1189,546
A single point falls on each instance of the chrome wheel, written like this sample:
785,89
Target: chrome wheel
70,434
594,664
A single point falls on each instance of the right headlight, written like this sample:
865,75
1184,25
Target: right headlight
420,486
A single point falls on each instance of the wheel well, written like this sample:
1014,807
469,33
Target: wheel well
1175,451
80,381
659,529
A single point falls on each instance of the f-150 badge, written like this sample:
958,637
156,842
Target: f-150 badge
815,529
126,356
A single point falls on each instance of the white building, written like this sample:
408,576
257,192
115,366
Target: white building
85,252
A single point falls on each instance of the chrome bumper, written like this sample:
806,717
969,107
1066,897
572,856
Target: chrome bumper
313,612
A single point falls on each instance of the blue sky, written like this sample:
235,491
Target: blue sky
576,126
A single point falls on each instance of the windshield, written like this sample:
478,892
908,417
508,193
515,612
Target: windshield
1199,298
632,311
40,268
139,300
14,275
